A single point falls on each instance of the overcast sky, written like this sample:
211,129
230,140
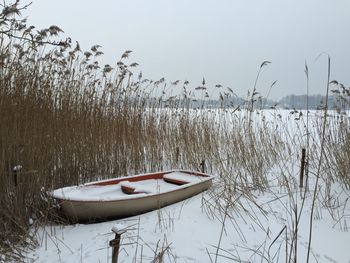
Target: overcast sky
224,41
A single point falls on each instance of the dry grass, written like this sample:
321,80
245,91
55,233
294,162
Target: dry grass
68,120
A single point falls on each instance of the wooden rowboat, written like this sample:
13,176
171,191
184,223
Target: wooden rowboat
128,196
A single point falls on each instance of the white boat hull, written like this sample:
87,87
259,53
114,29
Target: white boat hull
92,210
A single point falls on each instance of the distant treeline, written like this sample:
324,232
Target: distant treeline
335,101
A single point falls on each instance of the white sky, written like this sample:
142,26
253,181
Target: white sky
224,41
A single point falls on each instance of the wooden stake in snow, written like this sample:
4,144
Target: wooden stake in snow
202,166
301,179
177,154
115,243
15,170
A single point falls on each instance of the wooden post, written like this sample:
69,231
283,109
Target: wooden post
15,170
115,243
302,168
177,155
202,165
15,178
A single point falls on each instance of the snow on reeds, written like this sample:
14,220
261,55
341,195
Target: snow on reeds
66,119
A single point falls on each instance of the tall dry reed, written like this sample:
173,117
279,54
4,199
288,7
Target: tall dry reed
66,119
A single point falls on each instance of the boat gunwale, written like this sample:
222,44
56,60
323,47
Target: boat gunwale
136,196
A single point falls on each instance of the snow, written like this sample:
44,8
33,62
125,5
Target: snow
118,229
92,192
146,189
152,186
179,176
259,228
193,234
17,168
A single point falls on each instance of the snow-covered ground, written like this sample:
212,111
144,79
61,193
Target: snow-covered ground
191,233
256,227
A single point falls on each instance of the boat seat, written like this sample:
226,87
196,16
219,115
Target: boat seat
129,188
176,178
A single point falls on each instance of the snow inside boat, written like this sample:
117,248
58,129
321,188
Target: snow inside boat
128,196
